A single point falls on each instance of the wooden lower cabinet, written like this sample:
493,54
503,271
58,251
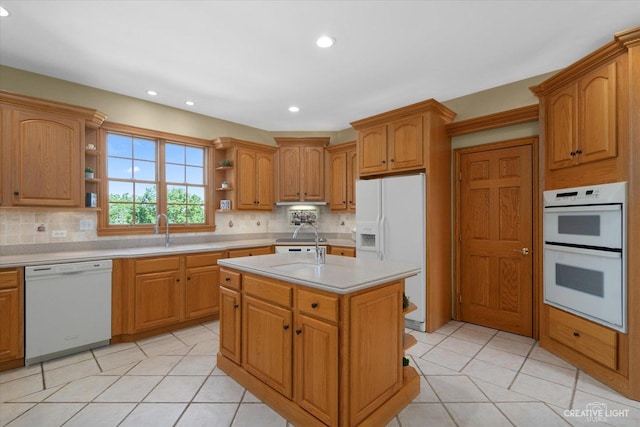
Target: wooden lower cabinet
159,294
11,318
317,358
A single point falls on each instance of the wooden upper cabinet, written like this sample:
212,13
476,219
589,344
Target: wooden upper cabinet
42,151
47,162
249,177
406,148
301,169
342,175
597,109
399,140
289,173
581,120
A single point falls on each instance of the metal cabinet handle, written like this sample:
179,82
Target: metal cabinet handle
576,334
298,331
286,327
227,279
314,305
235,306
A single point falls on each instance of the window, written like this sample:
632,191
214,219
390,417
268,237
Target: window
148,173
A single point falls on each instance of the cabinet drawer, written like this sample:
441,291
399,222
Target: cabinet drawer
594,341
343,250
203,260
152,265
230,279
268,290
323,306
263,250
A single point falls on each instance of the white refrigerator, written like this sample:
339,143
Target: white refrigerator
390,225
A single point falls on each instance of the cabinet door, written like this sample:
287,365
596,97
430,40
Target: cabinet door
201,291
352,175
338,181
289,174
157,300
11,316
230,318
246,179
561,128
372,150
598,114
264,181
316,368
266,343
312,173
406,150
47,159
376,328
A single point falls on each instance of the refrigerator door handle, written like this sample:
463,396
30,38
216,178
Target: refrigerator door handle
380,239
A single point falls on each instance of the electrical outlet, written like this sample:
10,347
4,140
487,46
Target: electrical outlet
86,224
59,233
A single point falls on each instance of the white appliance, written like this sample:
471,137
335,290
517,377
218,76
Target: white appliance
67,309
585,252
311,248
391,225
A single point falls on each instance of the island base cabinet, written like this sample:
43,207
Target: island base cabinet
316,361
230,318
338,364
266,349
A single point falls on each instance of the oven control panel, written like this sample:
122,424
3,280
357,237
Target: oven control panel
604,193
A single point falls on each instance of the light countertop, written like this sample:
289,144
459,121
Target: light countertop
157,250
339,274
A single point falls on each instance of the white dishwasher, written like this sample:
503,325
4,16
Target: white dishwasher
67,309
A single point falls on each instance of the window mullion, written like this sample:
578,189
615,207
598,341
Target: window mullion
162,180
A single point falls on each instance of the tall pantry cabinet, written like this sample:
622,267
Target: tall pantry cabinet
590,134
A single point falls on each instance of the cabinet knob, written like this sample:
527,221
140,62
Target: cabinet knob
16,193
177,280
384,161
578,151
573,153
286,327
227,279
392,160
235,306
576,334
298,331
314,305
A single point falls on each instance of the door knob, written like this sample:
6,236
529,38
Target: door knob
523,251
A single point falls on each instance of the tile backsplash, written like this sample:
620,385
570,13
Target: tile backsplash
50,226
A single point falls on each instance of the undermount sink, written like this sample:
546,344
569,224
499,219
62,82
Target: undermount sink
296,266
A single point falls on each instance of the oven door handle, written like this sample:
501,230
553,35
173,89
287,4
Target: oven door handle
585,208
583,251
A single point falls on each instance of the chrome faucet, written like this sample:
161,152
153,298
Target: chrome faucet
167,240
320,252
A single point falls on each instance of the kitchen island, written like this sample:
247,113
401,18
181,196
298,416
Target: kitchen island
319,344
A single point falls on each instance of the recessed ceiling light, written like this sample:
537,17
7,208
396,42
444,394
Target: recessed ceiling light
325,41
152,92
190,103
294,109
3,12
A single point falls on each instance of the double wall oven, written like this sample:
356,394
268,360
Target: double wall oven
585,252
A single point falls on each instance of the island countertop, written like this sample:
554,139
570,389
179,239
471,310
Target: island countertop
339,274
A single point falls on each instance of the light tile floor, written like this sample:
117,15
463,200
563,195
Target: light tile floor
470,376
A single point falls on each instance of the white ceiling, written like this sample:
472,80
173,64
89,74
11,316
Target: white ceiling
248,61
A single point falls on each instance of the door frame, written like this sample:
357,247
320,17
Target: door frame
536,267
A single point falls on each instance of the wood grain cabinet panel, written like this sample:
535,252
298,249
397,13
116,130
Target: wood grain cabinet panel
11,318
342,176
157,300
230,324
